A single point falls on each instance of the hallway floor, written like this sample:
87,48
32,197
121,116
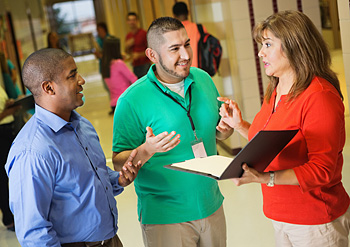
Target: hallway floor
246,224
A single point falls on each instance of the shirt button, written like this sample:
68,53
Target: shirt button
86,148
96,168
106,188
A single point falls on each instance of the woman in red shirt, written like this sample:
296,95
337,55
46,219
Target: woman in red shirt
302,189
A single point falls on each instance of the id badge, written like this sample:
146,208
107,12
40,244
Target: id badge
198,148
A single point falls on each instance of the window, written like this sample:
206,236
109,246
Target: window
75,17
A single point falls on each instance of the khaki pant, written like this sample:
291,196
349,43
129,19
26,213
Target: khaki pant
332,234
208,232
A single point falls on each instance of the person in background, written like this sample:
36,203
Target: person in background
135,46
10,86
61,191
102,34
7,135
303,193
114,71
180,11
12,90
175,209
12,71
53,41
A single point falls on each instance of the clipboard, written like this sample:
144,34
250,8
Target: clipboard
258,153
26,102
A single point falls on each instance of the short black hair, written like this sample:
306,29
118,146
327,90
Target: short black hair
43,65
132,14
102,25
180,8
159,27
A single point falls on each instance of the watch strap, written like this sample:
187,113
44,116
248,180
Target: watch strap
271,183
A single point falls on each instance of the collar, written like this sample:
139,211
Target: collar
53,121
152,77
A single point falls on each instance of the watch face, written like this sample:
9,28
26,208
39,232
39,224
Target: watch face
271,183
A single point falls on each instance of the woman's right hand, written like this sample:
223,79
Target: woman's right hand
230,113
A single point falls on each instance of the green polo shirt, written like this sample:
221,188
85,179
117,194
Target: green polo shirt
167,196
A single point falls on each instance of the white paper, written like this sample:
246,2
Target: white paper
214,165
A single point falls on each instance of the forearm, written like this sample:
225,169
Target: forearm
138,55
119,159
286,177
282,177
223,135
128,45
38,236
243,129
98,54
2,115
8,111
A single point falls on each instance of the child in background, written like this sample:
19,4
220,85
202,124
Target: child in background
117,75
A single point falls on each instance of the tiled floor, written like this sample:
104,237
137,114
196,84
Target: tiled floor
246,224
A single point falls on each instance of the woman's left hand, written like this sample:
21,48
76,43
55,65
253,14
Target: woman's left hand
250,175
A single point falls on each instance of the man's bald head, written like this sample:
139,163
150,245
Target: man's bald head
42,65
158,28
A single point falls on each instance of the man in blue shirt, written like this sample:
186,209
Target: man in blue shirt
61,191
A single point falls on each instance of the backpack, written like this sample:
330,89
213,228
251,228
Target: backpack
209,52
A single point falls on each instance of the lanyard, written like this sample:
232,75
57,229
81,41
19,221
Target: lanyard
187,111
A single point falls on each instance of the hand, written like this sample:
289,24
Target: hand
129,171
223,127
137,55
230,113
98,54
8,110
250,175
9,102
125,56
129,43
160,143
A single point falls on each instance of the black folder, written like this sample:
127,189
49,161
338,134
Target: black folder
26,102
258,153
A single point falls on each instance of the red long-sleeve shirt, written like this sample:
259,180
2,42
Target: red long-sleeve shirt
315,155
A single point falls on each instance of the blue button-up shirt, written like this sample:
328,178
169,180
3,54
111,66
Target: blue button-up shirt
61,190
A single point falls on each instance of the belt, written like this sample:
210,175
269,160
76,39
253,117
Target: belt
86,244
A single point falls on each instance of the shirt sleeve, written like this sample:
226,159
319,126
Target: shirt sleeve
31,184
126,72
128,132
114,177
10,65
324,133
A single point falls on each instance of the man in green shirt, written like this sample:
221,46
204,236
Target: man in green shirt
172,102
